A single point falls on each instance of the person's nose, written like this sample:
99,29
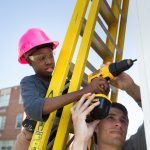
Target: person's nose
48,60
118,123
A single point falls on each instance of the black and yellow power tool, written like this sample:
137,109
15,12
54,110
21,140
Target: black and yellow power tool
108,71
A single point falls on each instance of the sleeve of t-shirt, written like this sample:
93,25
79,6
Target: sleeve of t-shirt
32,101
136,141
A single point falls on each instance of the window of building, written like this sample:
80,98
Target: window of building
6,145
6,148
2,122
19,121
4,97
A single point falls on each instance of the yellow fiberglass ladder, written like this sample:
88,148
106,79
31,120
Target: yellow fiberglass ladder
96,34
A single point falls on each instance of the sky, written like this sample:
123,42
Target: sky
53,17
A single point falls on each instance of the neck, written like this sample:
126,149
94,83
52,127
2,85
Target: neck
48,78
107,147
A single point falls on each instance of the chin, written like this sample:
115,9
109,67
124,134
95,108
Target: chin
117,141
47,76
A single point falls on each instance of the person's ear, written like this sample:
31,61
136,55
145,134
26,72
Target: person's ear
29,61
96,129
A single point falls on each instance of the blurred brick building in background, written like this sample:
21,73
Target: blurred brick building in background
11,116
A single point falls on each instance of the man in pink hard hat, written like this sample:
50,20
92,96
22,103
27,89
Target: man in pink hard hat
36,49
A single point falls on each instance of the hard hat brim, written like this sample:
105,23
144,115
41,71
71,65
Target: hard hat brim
22,59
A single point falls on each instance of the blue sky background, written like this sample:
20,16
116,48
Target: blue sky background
16,17
53,17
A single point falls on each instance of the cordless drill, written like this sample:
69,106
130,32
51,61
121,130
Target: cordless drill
108,72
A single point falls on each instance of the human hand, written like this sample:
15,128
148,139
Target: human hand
122,81
83,130
126,83
98,85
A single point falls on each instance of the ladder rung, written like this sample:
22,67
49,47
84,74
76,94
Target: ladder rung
100,47
107,13
85,76
90,66
97,44
108,35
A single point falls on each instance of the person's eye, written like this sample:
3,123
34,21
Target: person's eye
41,58
110,117
50,56
124,121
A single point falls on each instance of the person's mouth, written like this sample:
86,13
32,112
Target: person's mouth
50,69
117,132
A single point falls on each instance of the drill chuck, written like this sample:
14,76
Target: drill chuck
118,67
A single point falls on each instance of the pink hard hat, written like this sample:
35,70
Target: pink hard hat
32,38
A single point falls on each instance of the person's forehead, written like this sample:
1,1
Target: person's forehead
43,50
116,111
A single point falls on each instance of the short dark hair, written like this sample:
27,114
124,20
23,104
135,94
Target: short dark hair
121,107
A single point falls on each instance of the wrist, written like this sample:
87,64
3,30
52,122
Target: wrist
79,144
81,139
87,89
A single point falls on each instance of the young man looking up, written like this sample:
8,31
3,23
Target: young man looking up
110,131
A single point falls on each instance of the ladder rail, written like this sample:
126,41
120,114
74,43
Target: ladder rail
112,29
63,129
121,39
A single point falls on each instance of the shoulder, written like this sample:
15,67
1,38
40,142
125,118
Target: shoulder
26,79
136,141
28,83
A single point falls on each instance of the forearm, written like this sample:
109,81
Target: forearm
134,92
55,103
